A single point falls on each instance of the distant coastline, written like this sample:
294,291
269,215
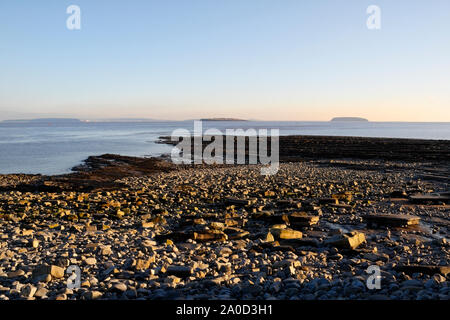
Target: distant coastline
44,120
73,120
222,119
347,119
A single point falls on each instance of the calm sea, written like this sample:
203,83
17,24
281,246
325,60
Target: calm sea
54,148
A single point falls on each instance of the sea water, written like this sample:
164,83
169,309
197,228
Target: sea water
54,148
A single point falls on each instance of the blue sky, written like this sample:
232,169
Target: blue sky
258,59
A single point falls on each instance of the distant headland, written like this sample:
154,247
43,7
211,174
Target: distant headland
222,119
73,121
44,120
342,119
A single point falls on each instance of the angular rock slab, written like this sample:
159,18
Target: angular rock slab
239,202
350,240
346,196
328,201
288,204
302,219
43,270
271,217
391,220
425,269
286,233
177,236
427,198
210,235
235,233
304,242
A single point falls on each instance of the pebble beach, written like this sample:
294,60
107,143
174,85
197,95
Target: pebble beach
226,232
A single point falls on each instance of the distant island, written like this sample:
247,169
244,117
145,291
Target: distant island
222,119
44,120
123,120
342,119
73,121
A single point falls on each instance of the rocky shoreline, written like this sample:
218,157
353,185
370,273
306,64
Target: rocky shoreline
301,148
147,229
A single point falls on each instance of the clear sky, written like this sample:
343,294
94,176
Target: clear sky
257,59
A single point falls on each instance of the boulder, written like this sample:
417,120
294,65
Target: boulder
285,233
302,219
350,240
45,270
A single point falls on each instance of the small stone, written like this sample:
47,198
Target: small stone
90,261
144,264
61,296
225,251
286,263
439,278
269,237
42,278
179,271
120,214
27,232
28,291
149,224
86,284
41,292
93,295
172,280
148,243
90,228
105,250
34,243
430,284
16,274
412,283
119,287
252,289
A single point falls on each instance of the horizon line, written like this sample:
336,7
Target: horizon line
218,119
